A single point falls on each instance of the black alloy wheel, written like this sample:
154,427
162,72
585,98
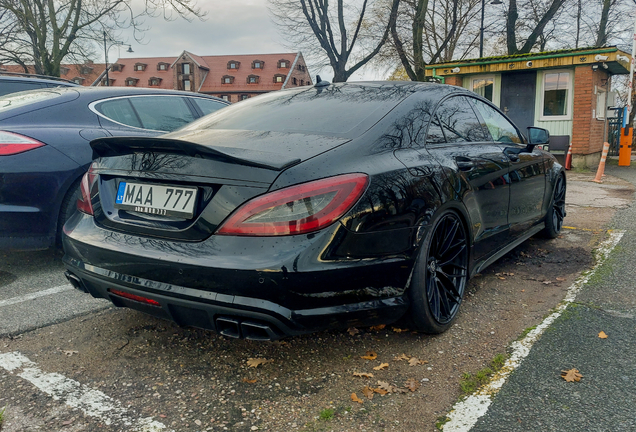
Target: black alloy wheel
440,275
556,213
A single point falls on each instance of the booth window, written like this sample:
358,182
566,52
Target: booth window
483,86
556,89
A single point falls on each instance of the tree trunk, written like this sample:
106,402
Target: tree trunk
601,38
511,24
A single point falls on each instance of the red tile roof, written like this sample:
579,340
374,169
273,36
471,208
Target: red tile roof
144,76
73,71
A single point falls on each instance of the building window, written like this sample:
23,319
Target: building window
233,64
64,70
162,67
283,64
258,64
131,82
294,81
185,68
186,85
252,79
225,97
78,80
301,68
85,70
227,79
279,78
154,81
601,104
116,67
110,83
557,89
140,67
302,82
243,97
483,86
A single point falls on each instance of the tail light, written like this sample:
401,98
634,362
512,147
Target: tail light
12,143
84,202
135,297
297,209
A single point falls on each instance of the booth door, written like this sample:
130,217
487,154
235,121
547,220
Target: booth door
517,98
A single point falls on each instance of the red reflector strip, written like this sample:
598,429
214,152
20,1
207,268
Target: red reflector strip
135,297
11,149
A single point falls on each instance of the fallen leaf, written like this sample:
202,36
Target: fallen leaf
380,391
363,374
399,330
502,278
68,422
389,388
413,361
370,355
523,290
367,392
560,279
256,362
249,381
547,282
353,331
401,357
602,335
571,375
412,384
377,327
355,398
382,366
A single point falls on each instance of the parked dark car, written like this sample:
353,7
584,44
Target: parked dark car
44,148
321,207
15,82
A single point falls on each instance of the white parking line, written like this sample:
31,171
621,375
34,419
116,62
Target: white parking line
92,402
465,414
26,297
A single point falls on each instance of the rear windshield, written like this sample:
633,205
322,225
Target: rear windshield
15,100
347,110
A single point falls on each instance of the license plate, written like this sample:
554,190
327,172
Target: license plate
156,199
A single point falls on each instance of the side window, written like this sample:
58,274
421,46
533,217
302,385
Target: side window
459,122
435,134
162,113
208,106
498,126
119,110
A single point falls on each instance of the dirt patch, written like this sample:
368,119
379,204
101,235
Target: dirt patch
193,380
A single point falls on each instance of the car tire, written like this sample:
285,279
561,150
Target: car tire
68,207
556,212
439,276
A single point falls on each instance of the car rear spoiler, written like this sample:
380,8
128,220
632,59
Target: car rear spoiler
104,147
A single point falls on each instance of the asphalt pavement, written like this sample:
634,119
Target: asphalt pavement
537,398
34,292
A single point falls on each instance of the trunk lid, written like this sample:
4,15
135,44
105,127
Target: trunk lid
139,178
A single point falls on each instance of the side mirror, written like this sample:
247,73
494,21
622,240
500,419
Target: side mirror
538,136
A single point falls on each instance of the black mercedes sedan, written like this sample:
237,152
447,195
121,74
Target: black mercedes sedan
315,208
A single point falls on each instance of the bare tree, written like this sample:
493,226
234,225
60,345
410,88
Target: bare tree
547,13
44,32
306,22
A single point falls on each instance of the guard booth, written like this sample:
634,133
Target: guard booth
566,92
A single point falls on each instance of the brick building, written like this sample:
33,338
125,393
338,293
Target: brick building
231,77
566,92
82,74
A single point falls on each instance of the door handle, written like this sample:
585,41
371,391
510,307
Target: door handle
464,164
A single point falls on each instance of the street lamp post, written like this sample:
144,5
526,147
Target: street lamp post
481,33
106,48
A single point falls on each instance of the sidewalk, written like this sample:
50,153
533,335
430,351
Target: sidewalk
536,398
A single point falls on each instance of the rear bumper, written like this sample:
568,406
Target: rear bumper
254,288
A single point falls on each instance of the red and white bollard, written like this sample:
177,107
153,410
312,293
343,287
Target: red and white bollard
568,159
601,165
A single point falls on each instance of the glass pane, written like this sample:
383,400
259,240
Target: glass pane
186,85
435,134
498,126
459,121
555,93
484,87
186,68
119,110
162,113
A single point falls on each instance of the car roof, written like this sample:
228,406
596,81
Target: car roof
105,91
42,79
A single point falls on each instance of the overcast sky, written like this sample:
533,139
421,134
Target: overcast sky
231,27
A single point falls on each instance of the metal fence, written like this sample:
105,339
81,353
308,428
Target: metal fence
614,125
